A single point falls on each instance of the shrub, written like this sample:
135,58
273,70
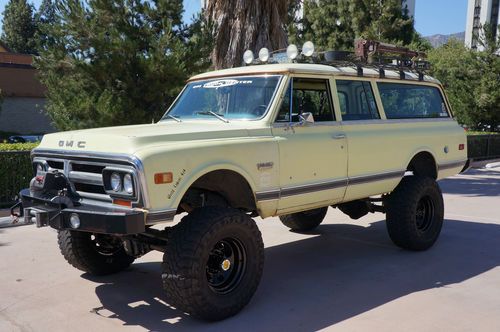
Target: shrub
15,170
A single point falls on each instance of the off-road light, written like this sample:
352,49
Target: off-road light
292,51
248,57
116,181
127,184
74,220
308,48
264,54
41,166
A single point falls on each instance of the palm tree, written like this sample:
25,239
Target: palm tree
245,24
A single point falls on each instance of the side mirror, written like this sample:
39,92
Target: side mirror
306,118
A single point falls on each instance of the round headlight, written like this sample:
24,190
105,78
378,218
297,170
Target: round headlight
264,54
248,57
116,182
40,167
308,48
127,184
292,51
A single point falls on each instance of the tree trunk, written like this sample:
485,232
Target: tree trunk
246,24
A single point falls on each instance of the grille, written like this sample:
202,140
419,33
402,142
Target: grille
87,168
85,177
56,164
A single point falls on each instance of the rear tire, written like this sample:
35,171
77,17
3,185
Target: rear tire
213,262
415,212
95,254
304,221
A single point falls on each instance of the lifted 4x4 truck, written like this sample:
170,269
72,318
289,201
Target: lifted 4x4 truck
279,139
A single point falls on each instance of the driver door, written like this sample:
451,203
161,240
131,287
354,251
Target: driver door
313,156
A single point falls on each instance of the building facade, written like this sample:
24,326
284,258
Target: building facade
410,6
22,108
478,13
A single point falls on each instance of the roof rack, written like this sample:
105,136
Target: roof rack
380,56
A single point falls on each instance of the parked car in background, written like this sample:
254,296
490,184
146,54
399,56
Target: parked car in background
25,138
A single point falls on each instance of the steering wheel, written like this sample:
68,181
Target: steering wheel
259,110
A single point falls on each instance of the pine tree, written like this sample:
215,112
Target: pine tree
45,18
116,62
335,24
19,27
328,24
383,20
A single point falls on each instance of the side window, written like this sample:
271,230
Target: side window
356,100
284,112
309,95
409,101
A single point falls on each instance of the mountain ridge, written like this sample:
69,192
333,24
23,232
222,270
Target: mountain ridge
439,39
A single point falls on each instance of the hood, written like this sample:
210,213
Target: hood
129,139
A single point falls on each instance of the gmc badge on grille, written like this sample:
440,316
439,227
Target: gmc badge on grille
69,144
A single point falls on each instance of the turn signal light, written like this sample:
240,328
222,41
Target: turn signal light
461,146
164,178
122,202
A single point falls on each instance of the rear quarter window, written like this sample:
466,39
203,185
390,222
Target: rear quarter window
411,101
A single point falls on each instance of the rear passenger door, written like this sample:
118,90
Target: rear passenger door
373,165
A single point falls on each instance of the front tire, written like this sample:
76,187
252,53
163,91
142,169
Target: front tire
97,254
304,221
213,262
415,212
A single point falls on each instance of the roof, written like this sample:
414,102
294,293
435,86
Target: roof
3,47
7,58
309,68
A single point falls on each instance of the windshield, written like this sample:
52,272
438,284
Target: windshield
242,98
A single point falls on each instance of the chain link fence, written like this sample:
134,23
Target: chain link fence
483,147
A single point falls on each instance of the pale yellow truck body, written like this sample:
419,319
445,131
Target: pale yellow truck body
288,168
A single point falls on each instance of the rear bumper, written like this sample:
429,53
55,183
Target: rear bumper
41,209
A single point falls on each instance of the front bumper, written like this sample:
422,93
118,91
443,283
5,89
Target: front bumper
43,210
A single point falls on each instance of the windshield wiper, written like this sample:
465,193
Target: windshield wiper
173,117
218,116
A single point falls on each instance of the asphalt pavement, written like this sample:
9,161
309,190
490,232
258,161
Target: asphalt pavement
345,276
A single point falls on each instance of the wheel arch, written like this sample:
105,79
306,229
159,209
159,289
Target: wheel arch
229,181
423,163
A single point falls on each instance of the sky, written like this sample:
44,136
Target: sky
431,16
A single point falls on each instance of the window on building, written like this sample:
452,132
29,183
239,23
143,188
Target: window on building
309,95
402,101
356,100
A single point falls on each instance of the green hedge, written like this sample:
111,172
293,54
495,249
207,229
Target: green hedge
15,170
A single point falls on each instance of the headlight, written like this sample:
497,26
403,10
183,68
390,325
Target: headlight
116,182
39,167
127,184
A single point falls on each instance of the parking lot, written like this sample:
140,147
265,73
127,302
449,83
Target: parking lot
347,275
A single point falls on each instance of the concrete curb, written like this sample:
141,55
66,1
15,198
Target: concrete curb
484,163
493,165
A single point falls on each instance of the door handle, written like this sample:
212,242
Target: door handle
338,136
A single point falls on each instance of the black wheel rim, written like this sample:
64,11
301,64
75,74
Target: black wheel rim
425,214
226,265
